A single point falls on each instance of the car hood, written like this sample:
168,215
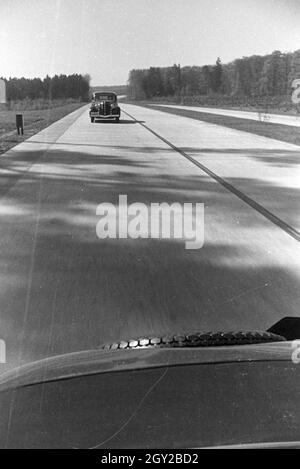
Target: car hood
99,361
156,398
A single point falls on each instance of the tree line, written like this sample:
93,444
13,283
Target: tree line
256,76
73,86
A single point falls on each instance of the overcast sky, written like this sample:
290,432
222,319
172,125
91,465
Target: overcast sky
107,38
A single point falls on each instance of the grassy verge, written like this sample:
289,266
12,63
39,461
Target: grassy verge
266,129
34,121
38,104
267,105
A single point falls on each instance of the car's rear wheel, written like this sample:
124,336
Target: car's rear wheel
92,119
117,119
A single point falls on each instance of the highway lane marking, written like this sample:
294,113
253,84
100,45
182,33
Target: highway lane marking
252,203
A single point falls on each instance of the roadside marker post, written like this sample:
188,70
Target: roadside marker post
2,92
2,95
20,123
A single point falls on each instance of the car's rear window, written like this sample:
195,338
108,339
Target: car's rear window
100,96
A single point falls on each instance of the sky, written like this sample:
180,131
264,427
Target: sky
108,38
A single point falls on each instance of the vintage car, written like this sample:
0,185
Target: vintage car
104,106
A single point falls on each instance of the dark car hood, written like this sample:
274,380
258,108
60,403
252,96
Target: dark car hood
157,398
98,361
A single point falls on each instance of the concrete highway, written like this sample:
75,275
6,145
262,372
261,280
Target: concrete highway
289,120
62,289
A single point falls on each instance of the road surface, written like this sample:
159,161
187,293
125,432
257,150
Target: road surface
62,289
293,121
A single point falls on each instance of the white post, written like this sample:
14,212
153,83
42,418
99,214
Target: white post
2,92
2,351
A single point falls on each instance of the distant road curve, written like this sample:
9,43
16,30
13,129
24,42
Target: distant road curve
293,121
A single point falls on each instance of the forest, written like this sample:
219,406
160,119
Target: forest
58,87
245,80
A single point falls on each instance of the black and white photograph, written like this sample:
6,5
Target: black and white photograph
149,227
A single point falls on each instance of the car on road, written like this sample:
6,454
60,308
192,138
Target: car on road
104,106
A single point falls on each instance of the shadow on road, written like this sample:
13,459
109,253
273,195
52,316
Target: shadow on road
121,121
62,289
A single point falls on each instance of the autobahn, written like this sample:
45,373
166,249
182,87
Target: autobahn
62,289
